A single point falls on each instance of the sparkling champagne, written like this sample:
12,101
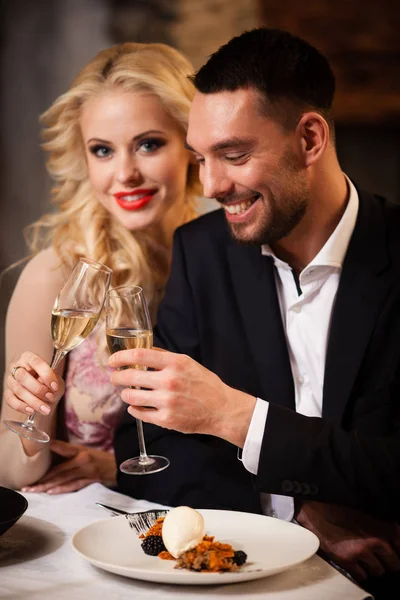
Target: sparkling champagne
128,326
124,338
70,327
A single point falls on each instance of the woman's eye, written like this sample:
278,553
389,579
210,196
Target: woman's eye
100,151
151,145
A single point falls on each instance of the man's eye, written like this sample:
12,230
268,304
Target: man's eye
199,160
235,157
100,151
151,145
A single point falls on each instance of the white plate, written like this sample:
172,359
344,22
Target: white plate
271,546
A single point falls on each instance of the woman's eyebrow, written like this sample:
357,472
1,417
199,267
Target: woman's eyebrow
137,137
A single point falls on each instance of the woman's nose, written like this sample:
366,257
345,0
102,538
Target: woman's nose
128,170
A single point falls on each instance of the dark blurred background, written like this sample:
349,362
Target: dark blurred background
44,43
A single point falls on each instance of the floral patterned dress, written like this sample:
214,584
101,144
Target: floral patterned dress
93,406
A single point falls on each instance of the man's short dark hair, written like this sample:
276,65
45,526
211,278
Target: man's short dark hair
290,74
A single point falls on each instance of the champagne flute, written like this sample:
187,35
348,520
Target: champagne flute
75,313
128,326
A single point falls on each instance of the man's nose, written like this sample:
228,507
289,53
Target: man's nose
127,169
216,183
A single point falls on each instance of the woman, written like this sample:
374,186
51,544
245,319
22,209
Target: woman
123,182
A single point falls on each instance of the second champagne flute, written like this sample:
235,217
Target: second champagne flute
128,326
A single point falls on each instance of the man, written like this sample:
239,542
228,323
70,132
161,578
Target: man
282,315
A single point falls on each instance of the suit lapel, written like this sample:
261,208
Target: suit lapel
254,286
363,285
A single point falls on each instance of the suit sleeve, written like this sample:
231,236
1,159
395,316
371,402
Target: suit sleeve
310,458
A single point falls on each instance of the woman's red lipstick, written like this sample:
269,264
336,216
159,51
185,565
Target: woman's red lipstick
124,199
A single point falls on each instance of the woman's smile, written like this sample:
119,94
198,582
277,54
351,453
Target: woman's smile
134,200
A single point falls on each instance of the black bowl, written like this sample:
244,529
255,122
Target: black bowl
12,507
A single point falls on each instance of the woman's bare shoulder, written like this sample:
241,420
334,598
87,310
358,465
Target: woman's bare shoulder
45,259
44,267
42,277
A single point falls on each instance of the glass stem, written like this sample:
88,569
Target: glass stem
29,422
57,357
142,446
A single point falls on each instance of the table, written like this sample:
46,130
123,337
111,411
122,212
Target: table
38,562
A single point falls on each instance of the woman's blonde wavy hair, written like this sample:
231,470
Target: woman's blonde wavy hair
80,225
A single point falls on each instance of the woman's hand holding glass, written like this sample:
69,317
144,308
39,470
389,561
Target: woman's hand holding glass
34,387
75,313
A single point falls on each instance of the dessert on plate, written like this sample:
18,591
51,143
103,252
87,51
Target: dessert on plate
180,536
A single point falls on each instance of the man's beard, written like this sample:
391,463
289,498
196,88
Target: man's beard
277,221
270,230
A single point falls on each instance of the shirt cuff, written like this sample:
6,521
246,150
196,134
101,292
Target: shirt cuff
254,438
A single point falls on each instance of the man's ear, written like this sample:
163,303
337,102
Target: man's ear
313,132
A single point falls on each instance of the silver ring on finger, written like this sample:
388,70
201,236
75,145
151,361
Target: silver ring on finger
14,370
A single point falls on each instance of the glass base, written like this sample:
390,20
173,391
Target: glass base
140,466
27,431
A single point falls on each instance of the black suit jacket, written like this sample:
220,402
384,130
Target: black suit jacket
221,308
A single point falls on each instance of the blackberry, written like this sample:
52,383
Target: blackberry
153,545
239,558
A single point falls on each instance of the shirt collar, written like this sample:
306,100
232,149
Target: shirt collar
335,248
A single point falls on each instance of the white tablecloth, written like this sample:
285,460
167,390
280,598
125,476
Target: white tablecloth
37,561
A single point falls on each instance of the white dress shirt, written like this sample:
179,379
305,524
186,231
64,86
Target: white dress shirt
306,315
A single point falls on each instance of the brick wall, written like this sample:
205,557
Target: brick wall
202,26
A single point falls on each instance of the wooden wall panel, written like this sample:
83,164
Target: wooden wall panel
362,41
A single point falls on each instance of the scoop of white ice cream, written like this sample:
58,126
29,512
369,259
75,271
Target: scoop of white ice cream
182,530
